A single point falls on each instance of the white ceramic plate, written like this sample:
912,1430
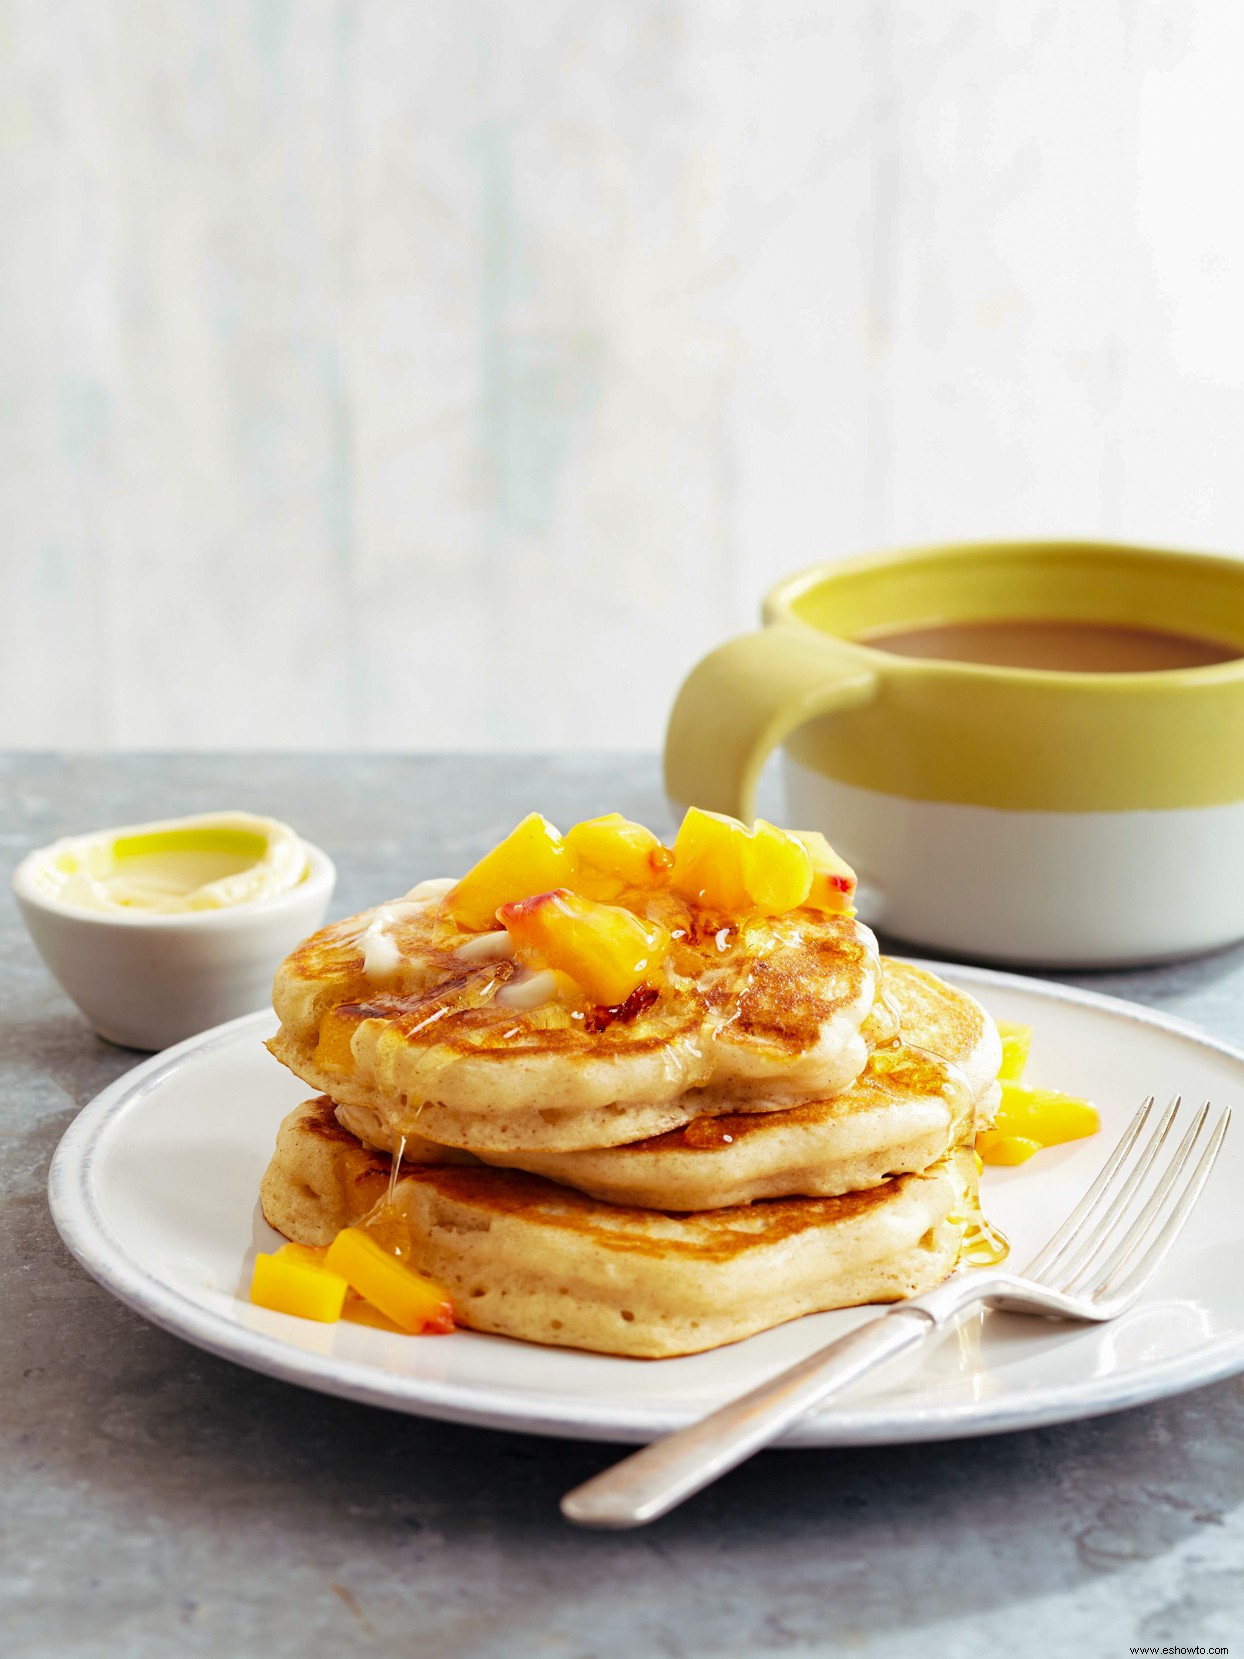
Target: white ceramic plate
154,1189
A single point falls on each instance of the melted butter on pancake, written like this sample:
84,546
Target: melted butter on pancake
486,947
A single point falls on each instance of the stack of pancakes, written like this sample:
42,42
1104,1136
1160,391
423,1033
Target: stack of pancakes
783,1126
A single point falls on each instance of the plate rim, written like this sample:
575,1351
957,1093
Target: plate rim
85,1232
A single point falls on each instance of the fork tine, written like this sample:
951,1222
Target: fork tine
1090,1241
1115,1280
1054,1246
1088,1265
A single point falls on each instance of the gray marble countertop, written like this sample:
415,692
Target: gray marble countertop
156,1500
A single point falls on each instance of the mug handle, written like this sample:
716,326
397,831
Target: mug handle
740,701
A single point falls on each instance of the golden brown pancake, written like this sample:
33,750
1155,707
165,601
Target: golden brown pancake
526,1258
322,1177
749,1016
906,1110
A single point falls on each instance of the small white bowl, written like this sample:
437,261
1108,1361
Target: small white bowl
147,981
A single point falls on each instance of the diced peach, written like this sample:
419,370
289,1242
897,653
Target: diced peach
777,869
413,1302
1044,1115
833,879
996,1148
608,951
532,859
710,855
1016,1042
359,1312
615,854
313,1254
332,1048
287,1284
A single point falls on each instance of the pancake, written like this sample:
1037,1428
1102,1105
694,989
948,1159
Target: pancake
526,1258
904,1112
749,1016
321,1177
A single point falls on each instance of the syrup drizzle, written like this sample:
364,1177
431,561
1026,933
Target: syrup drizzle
389,1225
399,1152
906,1063
386,1221
886,1017
984,1245
706,1134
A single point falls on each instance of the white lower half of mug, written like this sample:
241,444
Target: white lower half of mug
1045,889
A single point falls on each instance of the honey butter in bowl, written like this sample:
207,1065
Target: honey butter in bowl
158,931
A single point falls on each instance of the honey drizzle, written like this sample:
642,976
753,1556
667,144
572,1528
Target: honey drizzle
399,1152
386,1221
984,1244
893,1019
706,1134
389,1225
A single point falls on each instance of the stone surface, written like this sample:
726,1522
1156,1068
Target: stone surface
156,1500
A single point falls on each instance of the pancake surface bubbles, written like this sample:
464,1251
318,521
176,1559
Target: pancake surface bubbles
748,1016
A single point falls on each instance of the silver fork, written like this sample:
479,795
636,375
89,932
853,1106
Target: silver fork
1076,1275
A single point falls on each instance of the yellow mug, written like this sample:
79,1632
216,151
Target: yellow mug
1015,814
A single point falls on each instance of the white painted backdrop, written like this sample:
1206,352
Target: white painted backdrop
450,373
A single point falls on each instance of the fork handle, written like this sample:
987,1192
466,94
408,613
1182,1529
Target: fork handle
651,1482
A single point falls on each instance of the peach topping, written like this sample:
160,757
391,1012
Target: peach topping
312,1282
606,950
1029,1118
613,854
833,879
532,859
577,903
